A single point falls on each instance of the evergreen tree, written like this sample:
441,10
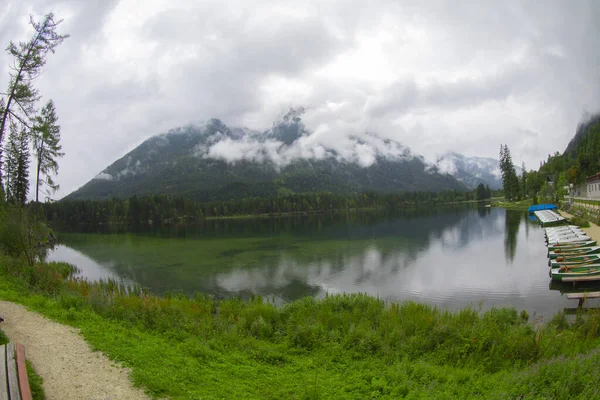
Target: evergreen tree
46,144
523,180
18,165
10,160
510,181
480,192
29,59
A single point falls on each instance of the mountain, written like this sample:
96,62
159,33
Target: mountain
216,162
580,139
472,170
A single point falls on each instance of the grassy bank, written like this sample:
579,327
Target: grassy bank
522,205
343,346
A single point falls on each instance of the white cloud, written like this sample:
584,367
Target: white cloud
435,76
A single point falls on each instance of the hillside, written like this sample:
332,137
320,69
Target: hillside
216,162
581,140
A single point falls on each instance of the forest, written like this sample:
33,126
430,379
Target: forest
167,209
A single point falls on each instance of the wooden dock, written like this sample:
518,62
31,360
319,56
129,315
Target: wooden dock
582,297
576,279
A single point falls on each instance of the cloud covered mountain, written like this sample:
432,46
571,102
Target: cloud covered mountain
472,170
213,161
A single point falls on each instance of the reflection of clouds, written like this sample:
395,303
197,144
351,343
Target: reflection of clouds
471,227
87,266
464,265
447,259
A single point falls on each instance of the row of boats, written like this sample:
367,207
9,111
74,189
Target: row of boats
571,253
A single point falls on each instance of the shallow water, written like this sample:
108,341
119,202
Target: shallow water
450,257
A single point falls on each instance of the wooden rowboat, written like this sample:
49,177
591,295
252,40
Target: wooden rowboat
577,251
568,272
574,260
571,245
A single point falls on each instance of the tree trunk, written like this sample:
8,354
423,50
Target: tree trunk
39,165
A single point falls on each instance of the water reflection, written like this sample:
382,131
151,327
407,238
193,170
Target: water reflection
511,229
450,257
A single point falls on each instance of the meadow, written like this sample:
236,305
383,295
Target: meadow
345,346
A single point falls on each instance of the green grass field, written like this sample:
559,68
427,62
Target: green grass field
342,346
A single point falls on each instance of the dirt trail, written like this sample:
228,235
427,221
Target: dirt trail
70,369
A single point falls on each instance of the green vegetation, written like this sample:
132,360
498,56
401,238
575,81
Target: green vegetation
35,383
482,192
3,338
550,183
510,181
18,110
342,346
587,202
521,205
580,221
168,209
579,161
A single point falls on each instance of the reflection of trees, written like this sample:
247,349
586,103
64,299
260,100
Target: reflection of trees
483,211
280,256
511,223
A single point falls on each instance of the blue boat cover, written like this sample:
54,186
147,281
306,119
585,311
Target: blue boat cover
539,207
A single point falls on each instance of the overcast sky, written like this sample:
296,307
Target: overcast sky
437,76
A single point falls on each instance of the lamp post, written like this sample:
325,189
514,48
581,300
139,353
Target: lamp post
572,193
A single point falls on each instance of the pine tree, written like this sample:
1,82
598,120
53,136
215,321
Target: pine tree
523,179
510,181
17,165
46,144
10,160
29,59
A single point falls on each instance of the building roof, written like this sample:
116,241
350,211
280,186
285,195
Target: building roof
593,178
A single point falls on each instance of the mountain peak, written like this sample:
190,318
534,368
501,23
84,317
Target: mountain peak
214,162
290,128
471,170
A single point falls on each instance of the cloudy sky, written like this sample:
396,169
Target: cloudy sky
437,76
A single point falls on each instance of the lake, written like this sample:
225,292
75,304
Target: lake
449,256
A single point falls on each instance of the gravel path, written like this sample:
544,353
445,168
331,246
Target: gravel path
70,369
593,231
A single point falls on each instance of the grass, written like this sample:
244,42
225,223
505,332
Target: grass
35,383
580,221
588,202
521,205
342,346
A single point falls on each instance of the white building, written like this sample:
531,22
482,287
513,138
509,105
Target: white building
593,186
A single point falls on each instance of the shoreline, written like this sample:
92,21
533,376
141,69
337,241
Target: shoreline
593,231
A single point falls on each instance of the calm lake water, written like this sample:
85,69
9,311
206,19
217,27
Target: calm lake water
450,257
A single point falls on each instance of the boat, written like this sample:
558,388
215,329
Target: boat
577,251
540,207
558,274
548,217
560,229
553,239
571,245
574,260
565,232
566,241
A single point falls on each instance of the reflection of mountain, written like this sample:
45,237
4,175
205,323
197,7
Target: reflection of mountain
286,257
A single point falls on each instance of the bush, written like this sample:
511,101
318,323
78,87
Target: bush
23,234
580,221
